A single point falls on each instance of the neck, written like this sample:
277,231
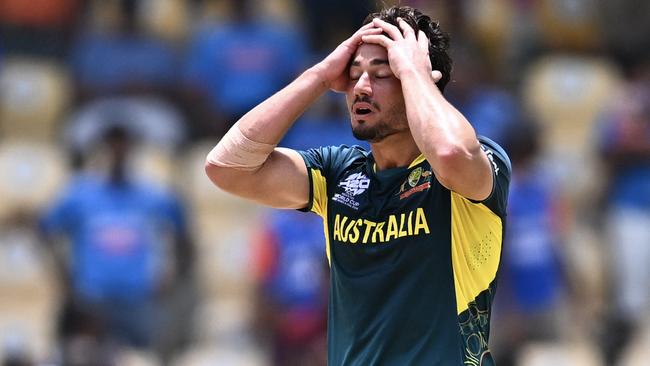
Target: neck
395,151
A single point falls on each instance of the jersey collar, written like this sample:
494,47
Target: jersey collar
420,158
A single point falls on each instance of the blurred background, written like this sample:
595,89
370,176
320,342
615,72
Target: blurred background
115,249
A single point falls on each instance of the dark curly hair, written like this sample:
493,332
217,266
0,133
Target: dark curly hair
438,40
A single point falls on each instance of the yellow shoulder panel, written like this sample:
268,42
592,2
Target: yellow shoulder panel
476,238
417,161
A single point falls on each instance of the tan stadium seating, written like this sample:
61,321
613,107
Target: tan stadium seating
559,354
224,254
223,318
32,173
166,18
491,24
136,358
211,354
223,226
203,195
638,350
570,24
566,94
29,299
33,96
283,10
154,164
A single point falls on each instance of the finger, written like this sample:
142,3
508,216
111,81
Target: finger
367,32
436,75
390,29
423,41
380,39
355,39
359,31
407,30
372,31
365,28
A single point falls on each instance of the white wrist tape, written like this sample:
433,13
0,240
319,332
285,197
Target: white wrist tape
239,152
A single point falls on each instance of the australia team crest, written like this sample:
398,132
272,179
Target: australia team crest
417,181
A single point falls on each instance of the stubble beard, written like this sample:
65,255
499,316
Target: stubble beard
387,126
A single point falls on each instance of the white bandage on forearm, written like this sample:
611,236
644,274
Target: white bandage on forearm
239,152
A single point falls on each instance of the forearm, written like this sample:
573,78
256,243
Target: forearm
446,138
269,121
246,163
439,129
248,144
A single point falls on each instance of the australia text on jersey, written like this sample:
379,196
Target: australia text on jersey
353,231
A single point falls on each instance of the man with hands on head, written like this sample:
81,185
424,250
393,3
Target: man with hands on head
413,227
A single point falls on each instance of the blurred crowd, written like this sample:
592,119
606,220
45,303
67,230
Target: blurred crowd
115,249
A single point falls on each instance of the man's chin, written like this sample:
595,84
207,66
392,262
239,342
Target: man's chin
370,135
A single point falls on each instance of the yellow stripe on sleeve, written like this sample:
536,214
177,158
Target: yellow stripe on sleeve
319,203
476,239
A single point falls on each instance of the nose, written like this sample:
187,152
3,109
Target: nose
362,86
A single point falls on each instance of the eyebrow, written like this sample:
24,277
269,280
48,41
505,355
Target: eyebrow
373,62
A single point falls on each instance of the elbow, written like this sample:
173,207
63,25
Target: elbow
451,161
221,177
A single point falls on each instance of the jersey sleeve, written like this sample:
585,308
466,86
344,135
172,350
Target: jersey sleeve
501,170
325,164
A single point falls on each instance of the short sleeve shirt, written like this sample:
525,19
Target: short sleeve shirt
413,264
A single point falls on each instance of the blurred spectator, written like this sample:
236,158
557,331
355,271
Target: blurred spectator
292,296
153,121
122,58
34,95
626,25
625,149
327,23
28,293
232,67
569,24
37,27
532,285
122,233
17,360
477,92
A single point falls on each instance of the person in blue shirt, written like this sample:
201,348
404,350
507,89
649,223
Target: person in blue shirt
118,230
624,145
122,58
237,64
533,287
292,287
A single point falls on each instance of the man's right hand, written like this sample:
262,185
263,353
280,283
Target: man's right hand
333,70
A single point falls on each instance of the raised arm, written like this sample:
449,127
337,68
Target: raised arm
246,162
441,132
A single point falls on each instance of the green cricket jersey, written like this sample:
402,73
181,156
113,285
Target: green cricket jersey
413,265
